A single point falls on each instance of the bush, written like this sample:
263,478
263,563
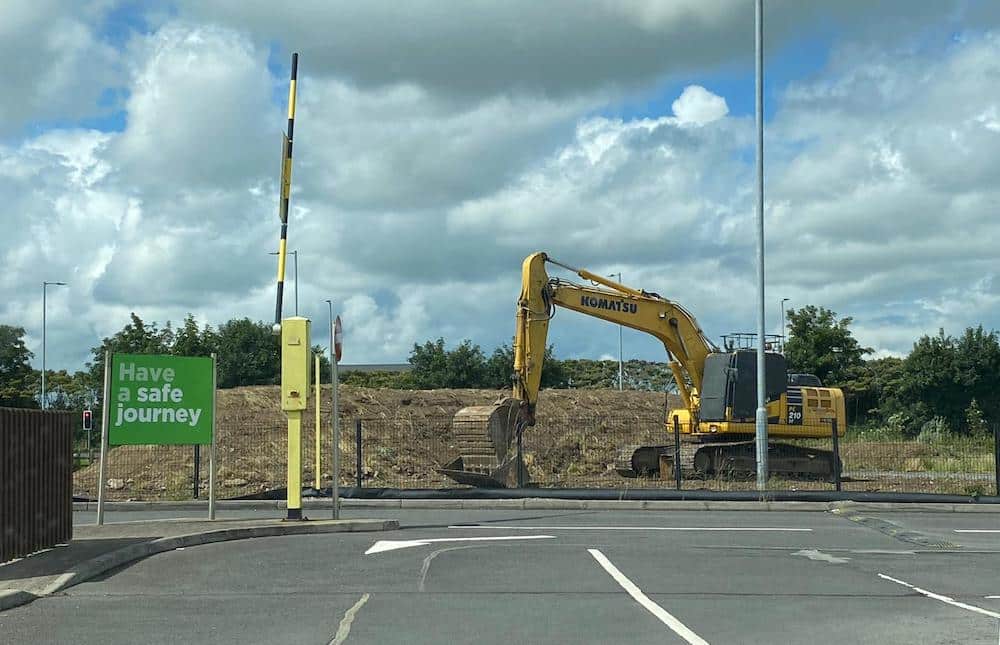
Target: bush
934,431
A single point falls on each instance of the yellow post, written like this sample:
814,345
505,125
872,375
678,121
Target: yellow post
295,352
294,504
316,401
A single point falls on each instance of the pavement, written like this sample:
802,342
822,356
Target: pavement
856,574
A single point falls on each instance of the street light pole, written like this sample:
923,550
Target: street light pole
295,254
761,417
621,371
45,286
783,301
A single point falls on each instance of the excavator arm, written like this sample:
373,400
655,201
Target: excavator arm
683,339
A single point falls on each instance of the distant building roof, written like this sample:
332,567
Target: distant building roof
376,367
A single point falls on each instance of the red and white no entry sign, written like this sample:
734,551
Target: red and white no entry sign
338,338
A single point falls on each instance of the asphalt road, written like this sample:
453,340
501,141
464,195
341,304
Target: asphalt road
603,577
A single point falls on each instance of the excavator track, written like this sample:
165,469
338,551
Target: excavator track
735,459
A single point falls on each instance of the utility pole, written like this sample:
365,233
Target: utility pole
45,286
621,370
761,416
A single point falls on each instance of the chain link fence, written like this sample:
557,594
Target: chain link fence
563,452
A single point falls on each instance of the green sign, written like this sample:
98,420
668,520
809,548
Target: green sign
161,400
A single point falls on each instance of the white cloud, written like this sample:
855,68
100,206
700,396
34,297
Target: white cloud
424,174
699,106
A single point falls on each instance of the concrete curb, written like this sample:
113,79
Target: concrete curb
551,504
15,598
103,563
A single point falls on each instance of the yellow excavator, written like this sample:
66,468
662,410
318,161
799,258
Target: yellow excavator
717,388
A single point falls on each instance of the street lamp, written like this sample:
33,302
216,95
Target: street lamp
621,371
783,301
45,286
296,254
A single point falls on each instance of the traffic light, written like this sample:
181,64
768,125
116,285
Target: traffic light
88,420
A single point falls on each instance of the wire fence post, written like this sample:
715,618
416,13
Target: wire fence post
677,452
357,453
836,454
996,457
520,459
197,471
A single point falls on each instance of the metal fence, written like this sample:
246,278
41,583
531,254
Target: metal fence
560,452
36,461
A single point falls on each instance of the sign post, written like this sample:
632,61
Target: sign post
211,449
317,462
336,350
105,414
152,399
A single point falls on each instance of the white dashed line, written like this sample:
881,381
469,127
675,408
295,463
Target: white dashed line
977,530
632,528
344,630
944,599
662,614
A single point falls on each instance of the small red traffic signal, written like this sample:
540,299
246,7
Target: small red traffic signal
88,420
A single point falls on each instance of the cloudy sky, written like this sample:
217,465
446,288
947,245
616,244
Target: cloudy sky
439,143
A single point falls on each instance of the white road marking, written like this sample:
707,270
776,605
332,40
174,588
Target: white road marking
815,554
992,597
427,562
977,530
944,599
391,545
662,614
629,528
344,630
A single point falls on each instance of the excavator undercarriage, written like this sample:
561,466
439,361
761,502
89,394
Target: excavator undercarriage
484,436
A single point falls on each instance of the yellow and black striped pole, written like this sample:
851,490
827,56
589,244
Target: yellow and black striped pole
286,189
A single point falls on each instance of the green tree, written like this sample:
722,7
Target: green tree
136,337
16,390
190,340
436,367
871,389
249,354
821,344
943,375
500,368
499,371
430,365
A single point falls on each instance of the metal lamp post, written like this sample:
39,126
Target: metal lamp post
295,254
783,301
45,286
761,416
621,370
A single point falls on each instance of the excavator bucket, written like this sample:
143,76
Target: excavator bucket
484,435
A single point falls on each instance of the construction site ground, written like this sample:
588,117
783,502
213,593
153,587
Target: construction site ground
407,436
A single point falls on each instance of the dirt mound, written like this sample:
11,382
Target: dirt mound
406,437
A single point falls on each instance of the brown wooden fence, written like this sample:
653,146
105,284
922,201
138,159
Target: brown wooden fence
36,478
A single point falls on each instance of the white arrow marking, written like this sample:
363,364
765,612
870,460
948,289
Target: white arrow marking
392,545
815,554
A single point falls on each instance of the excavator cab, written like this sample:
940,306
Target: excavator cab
730,382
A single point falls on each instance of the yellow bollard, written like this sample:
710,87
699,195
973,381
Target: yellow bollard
295,352
316,401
